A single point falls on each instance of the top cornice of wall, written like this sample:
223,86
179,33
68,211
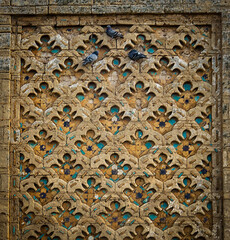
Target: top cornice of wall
31,7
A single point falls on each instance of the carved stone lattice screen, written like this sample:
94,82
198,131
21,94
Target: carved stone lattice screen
118,149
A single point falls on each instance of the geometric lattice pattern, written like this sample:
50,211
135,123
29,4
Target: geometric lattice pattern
117,149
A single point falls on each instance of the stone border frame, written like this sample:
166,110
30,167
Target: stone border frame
8,8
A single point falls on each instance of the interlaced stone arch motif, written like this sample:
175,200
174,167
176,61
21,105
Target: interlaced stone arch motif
117,149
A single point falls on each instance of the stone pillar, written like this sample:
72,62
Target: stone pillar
226,120
5,37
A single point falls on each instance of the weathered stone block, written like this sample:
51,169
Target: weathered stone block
146,9
5,113
226,38
226,179
67,20
5,40
69,10
226,158
5,28
5,86
226,228
226,108
4,156
119,2
30,21
150,2
226,136
102,20
4,64
4,2
21,3
4,20
4,134
226,204
42,10
111,9
4,182
4,231
17,10
71,2
4,76
99,2
3,217
226,84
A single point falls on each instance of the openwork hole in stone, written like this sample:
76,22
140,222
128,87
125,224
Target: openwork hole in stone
162,121
188,233
188,145
187,97
44,233
91,233
189,49
44,49
115,121
115,215
140,233
141,193
163,168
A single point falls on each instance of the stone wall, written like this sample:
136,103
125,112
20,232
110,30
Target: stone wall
73,7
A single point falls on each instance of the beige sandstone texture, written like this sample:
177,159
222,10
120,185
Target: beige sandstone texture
116,149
